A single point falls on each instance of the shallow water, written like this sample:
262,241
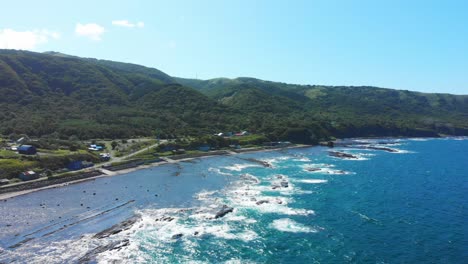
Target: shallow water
403,207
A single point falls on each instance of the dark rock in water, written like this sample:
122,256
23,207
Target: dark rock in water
382,148
284,184
262,202
165,219
373,148
342,155
21,243
261,162
313,169
274,187
91,255
177,236
117,228
196,233
249,178
224,211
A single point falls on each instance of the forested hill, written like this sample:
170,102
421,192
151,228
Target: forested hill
44,94
345,110
61,95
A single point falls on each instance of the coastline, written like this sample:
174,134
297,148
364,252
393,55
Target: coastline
108,173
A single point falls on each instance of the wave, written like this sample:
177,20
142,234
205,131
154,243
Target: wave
323,169
218,171
313,181
240,167
289,225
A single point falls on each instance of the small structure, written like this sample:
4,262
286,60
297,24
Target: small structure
78,165
28,175
277,144
105,156
95,147
243,133
204,148
169,148
27,150
4,181
75,165
22,140
179,151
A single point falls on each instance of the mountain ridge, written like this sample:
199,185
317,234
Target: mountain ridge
54,93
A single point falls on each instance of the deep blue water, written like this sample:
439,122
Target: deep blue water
405,207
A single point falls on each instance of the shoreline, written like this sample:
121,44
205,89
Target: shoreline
108,173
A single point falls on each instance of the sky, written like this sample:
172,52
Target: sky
411,45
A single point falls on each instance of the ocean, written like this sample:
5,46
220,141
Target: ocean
302,205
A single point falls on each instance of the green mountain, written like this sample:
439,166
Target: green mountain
346,111
61,95
43,94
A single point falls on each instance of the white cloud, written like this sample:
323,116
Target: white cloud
128,24
91,30
25,40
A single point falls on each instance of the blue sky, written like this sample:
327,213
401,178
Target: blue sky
412,45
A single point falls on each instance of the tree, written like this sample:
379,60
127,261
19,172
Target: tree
114,144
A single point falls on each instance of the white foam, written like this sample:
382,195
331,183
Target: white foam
402,151
273,161
218,171
313,181
250,178
418,139
322,169
239,218
204,195
289,225
240,167
302,159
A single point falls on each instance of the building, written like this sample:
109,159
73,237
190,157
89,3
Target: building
4,181
243,133
204,148
28,175
78,165
95,147
75,165
21,140
105,156
169,148
27,150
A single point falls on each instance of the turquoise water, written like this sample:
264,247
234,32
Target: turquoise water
408,206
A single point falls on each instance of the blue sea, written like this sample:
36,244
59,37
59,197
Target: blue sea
288,206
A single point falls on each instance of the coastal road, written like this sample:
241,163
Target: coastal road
119,159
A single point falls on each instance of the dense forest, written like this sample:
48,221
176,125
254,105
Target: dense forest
56,95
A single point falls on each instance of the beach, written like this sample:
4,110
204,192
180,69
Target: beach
47,184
